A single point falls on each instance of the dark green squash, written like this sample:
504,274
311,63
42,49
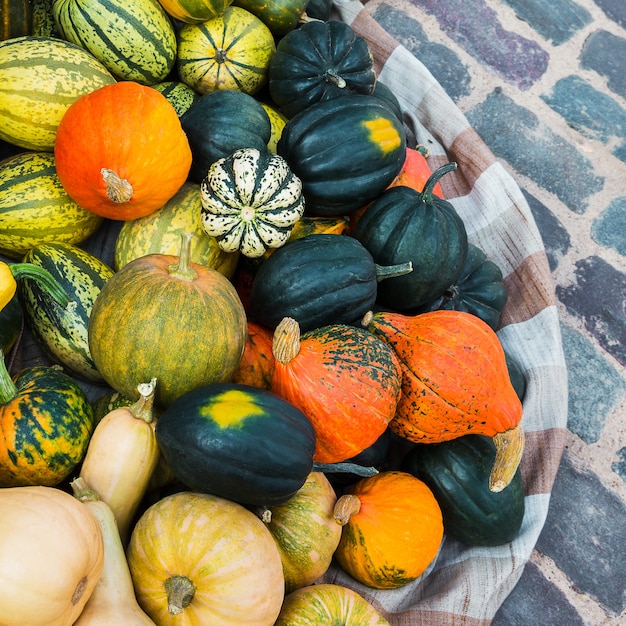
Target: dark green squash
317,280
516,374
11,320
478,290
319,61
220,122
319,9
346,151
404,225
384,94
457,472
239,442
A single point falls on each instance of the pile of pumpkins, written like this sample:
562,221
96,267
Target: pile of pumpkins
295,343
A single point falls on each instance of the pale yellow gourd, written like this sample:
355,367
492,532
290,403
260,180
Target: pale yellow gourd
113,600
122,456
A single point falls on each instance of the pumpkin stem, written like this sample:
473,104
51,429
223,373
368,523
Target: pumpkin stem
426,194
143,408
8,389
118,189
182,269
509,449
346,506
180,592
345,468
82,491
423,150
286,340
367,319
389,271
330,76
44,278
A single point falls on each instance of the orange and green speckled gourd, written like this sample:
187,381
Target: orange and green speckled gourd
454,382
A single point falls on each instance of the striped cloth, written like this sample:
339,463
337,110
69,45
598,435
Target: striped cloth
467,584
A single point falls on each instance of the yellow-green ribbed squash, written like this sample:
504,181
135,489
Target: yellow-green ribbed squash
40,78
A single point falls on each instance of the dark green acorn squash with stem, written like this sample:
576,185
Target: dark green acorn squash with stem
403,225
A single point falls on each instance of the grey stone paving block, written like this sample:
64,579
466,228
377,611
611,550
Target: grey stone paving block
594,386
518,60
535,601
555,237
442,62
583,537
604,53
619,467
591,112
597,297
516,135
556,20
609,229
615,9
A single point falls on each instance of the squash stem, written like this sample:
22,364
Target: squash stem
118,189
390,271
345,468
426,194
509,449
345,507
143,409
8,389
333,78
182,269
286,341
82,491
180,592
44,278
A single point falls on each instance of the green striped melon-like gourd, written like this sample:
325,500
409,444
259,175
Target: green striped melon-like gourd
34,207
178,94
62,333
160,232
194,11
40,78
134,40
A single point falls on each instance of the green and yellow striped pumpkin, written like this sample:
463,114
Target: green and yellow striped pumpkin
40,78
34,207
194,11
134,40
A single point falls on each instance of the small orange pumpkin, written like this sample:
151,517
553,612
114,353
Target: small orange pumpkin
455,382
120,151
392,529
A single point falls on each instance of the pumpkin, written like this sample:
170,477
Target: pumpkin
392,529
305,531
250,202
256,367
160,233
51,556
344,150
61,330
319,61
135,40
457,473
193,11
229,51
121,457
238,442
280,16
455,382
201,559
343,378
318,279
179,322
35,208
404,225
120,151
479,289
113,600
220,123
319,603
46,422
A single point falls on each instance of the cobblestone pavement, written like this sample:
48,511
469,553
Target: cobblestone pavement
544,85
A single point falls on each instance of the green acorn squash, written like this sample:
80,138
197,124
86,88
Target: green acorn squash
346,151
319,61
516,374
404,225
239,442
457,472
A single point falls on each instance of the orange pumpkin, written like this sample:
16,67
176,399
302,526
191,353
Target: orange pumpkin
347,382
120,151
455,382
392,529
256,367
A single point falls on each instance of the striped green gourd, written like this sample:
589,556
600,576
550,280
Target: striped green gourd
34,207
160,233
62,333
178,94
40,78
134,40
195,11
